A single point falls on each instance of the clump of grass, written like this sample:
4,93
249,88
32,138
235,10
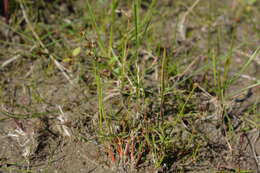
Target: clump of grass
143,131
